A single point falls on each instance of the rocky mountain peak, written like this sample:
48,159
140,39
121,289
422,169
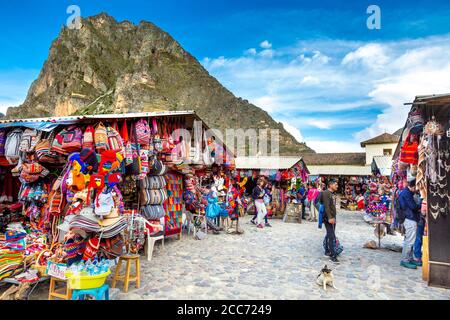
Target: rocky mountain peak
108,66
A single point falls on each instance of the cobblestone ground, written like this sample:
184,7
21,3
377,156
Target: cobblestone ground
281,262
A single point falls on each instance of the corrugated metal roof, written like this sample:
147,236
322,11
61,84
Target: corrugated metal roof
103,116
349,158
384,164
339,170
266,162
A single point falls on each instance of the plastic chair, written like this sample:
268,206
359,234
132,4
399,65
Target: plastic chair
150,243
101,293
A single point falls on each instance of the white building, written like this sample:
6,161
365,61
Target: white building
377,157
379,152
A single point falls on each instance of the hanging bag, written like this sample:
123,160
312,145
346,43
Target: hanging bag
72,139
44,153
30,138
101,138
88,138
409,152
115,141
135,167
12,143
143,132
157,142
2,142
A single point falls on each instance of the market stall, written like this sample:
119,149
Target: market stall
423,155
283,174
73,187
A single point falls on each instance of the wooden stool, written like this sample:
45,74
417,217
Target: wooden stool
127,278
59,293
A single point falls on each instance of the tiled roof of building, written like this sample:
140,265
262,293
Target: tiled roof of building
382,138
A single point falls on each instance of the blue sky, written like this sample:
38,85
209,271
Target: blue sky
313,65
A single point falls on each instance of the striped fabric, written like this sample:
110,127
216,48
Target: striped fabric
174,203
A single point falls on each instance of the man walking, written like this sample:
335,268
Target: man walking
328,200
410,209
301,195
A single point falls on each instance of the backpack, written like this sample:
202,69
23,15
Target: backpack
400,215
44,153
143,132
30,138
67,141
101,138
72,139
12,143
2,142
88,138
115,141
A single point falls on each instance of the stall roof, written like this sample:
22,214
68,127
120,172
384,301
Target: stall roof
50,123
339,170
319,159
72,119
267,162
384,164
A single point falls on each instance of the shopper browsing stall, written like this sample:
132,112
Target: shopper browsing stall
410,210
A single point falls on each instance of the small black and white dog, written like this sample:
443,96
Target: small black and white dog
326,278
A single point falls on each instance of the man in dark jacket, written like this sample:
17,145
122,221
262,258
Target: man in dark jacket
301,195
329,219
411,212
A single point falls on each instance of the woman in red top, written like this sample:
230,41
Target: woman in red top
312,195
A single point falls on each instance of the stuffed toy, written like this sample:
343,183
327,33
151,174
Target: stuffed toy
109,161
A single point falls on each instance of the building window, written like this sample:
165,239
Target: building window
387,152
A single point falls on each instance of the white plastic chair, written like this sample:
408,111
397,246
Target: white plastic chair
150,243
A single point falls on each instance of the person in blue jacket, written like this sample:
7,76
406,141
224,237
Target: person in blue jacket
411,210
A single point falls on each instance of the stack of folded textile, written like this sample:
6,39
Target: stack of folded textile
153,194
10,262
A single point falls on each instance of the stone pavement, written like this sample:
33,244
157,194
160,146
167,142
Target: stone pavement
281,262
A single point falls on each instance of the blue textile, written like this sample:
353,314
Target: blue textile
418,243
213,209
321,215
409,205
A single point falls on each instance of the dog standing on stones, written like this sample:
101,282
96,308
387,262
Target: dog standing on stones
326,278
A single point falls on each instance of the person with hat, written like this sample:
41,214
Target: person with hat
410,208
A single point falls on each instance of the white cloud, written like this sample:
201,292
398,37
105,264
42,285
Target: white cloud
372,55
321,124
267,53
251,51
293,131
309,81
340,79
265,44
327,146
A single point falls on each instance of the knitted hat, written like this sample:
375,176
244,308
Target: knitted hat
89,157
